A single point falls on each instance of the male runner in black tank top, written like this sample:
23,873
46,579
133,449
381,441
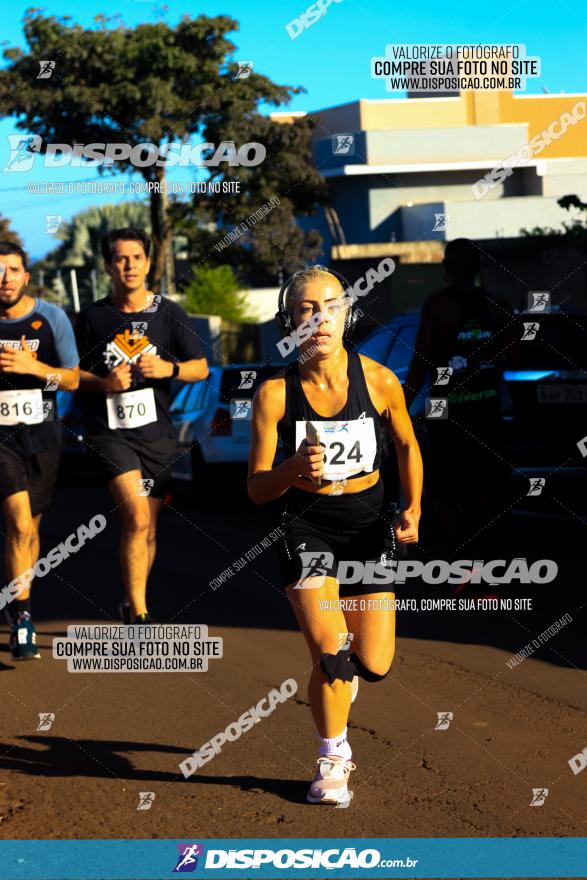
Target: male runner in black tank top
333,512
475,334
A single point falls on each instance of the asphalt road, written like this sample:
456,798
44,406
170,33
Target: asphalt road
115,735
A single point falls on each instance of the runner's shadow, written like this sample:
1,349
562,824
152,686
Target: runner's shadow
85,757
292,790
101,758
5,667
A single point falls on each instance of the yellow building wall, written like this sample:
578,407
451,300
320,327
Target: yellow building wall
539,111
413,113
484,108
470,108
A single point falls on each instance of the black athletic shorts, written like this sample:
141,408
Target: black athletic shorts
35,473
323,530
114,454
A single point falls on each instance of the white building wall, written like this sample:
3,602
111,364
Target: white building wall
462,144
488,218
261,303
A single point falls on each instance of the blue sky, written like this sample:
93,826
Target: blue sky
331,60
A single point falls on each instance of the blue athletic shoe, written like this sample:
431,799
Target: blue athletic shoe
23,639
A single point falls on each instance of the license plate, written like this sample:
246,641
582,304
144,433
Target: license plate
561,393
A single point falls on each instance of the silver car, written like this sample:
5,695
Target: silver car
213,420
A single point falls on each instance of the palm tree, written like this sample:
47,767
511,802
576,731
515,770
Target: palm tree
8,234
81,237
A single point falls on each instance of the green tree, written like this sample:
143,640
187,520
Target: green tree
7,233
213,290
577,228
274,245
152,84
55,292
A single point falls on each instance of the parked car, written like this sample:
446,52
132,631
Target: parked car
393,346
548,390
544,402
212,418
71,418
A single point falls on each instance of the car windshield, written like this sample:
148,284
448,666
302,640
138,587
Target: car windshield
403,348
377,345
392,345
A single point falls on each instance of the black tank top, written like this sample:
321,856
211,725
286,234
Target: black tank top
352,437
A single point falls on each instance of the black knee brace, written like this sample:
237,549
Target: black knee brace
338,666
364,671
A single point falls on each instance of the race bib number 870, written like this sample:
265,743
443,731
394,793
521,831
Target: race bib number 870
131,409
349,447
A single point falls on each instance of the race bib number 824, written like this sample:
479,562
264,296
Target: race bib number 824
349,447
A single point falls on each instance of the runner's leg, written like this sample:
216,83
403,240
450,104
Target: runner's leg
324,629
134,539
34,550
373,632
154,508
20,527
329,702
35,542
18,559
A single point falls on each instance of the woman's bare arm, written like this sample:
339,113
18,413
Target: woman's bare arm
266,482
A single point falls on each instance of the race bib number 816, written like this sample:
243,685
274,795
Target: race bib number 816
21,407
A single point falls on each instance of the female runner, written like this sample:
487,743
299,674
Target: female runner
333,505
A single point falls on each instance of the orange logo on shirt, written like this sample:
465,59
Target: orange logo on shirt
131,345
36,324
127,347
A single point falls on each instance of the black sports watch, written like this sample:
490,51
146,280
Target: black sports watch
175,371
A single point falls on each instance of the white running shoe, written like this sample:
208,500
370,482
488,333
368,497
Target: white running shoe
330,783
